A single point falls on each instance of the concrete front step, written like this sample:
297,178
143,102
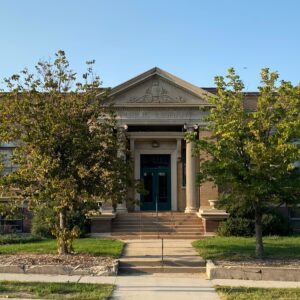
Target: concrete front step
154,229
155,219
145,257
160,269
152,232
146,233
153,237
193,233
190,222
169,260
141,232
159,225
151,227
183,217
178,217
159,219
168,225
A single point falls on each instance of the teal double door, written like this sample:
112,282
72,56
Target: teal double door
156,176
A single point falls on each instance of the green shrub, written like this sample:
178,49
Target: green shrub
241,221
42,222
236,227
273,224
77,217
276,224
19,238
45,218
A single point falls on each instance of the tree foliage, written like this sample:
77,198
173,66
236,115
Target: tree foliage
67,141
252,153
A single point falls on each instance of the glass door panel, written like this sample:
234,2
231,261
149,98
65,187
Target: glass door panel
148,185
162,187
157,184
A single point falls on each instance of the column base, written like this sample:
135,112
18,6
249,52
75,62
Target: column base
189,210
121,208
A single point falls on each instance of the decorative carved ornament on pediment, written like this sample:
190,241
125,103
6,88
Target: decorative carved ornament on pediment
156,94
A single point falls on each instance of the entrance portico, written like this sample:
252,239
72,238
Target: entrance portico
157,109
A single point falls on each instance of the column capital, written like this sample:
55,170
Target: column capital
123,127
191,127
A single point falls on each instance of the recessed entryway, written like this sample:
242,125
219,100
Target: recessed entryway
156,176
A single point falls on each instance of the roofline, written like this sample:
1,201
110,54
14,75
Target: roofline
166,76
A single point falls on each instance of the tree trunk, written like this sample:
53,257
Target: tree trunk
259,249
62,245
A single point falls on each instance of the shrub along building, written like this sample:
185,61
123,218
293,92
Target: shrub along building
154,111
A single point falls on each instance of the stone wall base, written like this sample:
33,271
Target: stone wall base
252,273
110,270
210,226
102,223
211,219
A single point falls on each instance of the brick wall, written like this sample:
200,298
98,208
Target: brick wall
207,190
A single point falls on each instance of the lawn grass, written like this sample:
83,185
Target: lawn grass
239,248
51,290
93,246
244,293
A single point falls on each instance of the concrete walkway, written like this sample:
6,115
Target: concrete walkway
152,248
158,286
145,256
164,286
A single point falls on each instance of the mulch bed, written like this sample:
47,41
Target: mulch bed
74,260
261,263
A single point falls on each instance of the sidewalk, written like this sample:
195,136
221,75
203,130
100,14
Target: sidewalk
157,286
164,286
146,287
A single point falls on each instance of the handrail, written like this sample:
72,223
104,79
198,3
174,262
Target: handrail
156,207
162,252
140,214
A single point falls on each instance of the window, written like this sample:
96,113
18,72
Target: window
6,150
295,213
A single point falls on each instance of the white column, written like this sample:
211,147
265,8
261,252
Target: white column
121,207
191,192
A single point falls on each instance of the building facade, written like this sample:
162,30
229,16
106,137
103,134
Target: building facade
155,110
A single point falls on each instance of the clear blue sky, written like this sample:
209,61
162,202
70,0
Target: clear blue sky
193,39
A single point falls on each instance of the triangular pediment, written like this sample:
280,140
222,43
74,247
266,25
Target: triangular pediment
158,88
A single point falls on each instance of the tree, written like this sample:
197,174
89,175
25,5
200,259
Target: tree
251,153
67,142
